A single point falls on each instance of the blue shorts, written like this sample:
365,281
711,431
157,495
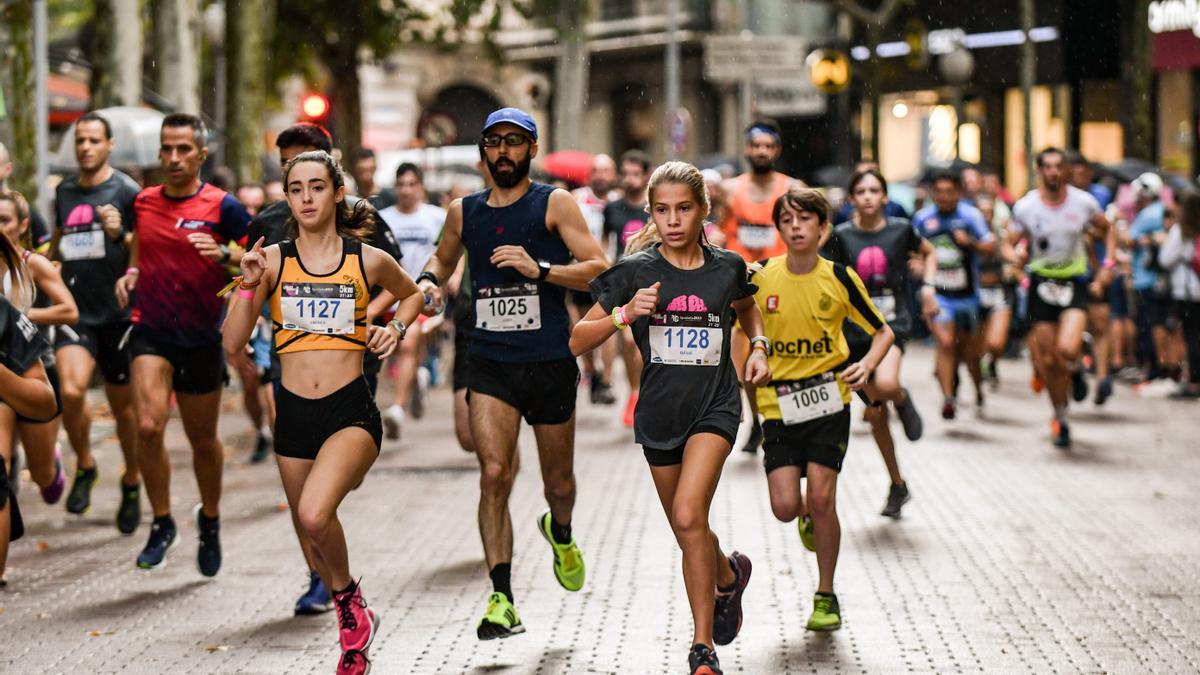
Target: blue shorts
962,312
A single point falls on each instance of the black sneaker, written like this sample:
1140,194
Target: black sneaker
703,661
129,513
162,537
79,499
727,611
898,496
262,449
602,393
1061,434
755,439
1104,390
1079,387
208,558
910,418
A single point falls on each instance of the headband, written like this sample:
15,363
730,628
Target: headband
760,129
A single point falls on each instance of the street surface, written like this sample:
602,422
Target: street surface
1011,557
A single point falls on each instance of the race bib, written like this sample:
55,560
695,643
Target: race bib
886,304
82,245
953,279
321,308
508,307
686,339
1055,293
992,297
756,236
809,399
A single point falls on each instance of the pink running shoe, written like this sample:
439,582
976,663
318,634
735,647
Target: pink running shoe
354,663
54,491
356,621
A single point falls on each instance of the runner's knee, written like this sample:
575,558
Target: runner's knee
495,477
786,509
820,501
688,521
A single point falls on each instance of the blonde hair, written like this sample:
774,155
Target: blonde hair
676,173
20,291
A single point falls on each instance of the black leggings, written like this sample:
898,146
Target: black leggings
1191,335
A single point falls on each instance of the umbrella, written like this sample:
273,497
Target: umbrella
573,166
1128,169
135,139
832,175
722,163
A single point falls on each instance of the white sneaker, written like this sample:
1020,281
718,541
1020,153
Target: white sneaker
393,419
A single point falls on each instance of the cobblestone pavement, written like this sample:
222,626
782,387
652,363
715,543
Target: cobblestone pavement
1012,557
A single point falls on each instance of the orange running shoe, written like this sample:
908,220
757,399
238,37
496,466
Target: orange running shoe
629,408
1036,384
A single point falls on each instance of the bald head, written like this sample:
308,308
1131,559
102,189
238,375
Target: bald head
603,176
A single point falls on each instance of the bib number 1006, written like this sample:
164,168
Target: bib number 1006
687,338
806,398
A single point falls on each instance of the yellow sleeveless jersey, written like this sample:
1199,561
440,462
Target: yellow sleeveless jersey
320,311
802,317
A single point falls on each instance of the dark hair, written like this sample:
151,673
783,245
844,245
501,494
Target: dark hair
946,174
355,222
364,153
10,256
179,120
638,157
305,135
858,176
409,167
96,117
801,199
1041,156
1189,212
1074,157
223,177
765,124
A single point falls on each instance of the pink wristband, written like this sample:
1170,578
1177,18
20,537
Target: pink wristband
245,294
132,270
621,315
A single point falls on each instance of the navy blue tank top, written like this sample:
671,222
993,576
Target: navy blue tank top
517,319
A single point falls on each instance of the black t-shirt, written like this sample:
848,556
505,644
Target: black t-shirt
881,260
623,220
39,231
688,379
385,198
91,261
21,345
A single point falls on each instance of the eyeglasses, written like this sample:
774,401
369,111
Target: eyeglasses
513,140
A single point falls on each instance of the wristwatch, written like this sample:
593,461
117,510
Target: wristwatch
225,253
426,275
400,328
544,269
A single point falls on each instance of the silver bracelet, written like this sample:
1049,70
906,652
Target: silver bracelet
763,340
400,328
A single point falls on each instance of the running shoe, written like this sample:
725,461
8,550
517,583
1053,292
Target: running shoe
357,623
994,374
568,559
948,410
353,663
826,614
316,599
910,418
54,491
129,513
1104,390
208,557
262,449
805,525
1036,383
755,439
602,393
898,496
79,499
393,417
727,610
630,407
162,537
1060,433
1079,386
1184,393
420,390
703,661
500,620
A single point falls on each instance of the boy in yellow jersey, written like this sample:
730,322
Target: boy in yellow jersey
806,409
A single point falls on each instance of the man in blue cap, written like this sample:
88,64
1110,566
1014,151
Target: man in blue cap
527,243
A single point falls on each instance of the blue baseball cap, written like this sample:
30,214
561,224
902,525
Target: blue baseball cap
512,116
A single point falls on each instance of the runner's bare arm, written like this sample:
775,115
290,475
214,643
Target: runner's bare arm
445,258
564,216
384,271
928,293
379,304
750,319
126,283
28,394
597,325
857,374
258,266
1009,251
62,309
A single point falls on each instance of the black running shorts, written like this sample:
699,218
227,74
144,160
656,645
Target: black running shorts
1047,304
198,370
821,441
107,343
674,456
302,425
542,391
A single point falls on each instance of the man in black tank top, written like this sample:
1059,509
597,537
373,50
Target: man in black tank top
521,237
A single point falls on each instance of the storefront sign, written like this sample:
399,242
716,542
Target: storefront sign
734,58
788,97
1167,16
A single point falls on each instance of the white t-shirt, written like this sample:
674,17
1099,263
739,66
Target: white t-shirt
415,233
593,210
1057,233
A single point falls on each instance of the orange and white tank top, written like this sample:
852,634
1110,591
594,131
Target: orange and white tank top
320,311
749,230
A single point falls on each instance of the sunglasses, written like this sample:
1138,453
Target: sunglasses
513,140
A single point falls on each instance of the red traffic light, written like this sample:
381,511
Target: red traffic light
314,106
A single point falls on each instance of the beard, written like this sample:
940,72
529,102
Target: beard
760,166
506,180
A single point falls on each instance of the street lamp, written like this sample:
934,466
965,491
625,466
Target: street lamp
214,31
956,67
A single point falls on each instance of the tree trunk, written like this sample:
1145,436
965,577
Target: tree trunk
346,100
125,52
248,28
1028,79
571,77
19,16
176,62
1137,81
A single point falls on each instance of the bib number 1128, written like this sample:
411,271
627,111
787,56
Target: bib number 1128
687,338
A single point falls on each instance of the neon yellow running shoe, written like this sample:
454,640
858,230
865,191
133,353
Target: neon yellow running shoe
826,615
568,559
500,621
805,525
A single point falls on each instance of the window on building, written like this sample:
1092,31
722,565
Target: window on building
611,10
